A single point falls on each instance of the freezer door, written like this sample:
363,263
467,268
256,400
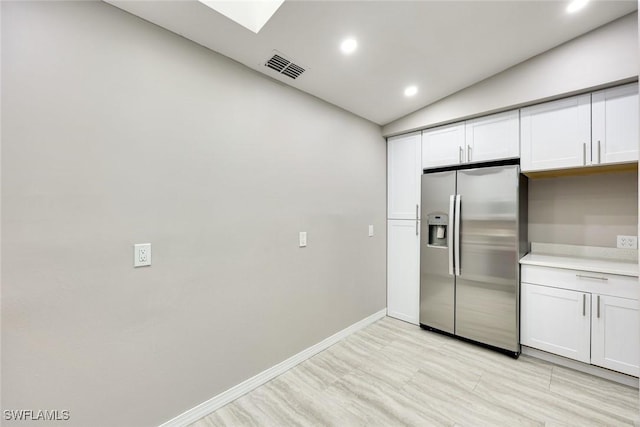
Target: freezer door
487,290
437,297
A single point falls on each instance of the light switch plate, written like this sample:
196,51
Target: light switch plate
627,242
370,230
141,254
303,239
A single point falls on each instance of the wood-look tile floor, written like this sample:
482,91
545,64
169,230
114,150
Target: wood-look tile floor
395,374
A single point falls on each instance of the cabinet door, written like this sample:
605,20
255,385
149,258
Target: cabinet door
443,146
493,137
556,134
403,176
615,333
615,125
403,270
556,320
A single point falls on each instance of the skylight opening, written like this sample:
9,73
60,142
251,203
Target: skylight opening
251,14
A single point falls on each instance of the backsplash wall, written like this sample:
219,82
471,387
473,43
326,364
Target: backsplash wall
583,210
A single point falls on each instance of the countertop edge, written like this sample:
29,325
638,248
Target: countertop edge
621,268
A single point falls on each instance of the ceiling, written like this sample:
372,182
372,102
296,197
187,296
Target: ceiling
439,46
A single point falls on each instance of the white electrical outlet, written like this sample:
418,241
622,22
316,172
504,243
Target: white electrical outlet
627,242
370,230
141,254
303,239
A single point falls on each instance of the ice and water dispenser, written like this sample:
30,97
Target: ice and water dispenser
438,228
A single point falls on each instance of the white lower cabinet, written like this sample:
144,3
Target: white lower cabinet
557,321
403,270
615,331
585,322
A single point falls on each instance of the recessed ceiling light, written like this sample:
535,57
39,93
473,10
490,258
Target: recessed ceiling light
410,91
348,46
576,5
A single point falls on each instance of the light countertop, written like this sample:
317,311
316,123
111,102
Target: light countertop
572,262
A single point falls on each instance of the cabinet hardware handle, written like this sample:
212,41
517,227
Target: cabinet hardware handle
450,233
598,307
417,220
584,304
460,155
584,154
582,276
468,153
456,237
599,152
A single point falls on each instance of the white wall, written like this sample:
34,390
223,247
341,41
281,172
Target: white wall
117,132
606,55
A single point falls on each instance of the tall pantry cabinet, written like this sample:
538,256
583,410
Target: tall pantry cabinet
403,226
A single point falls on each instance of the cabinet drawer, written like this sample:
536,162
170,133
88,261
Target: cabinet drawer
582,281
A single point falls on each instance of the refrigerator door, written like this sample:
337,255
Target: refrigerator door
487,291
437,281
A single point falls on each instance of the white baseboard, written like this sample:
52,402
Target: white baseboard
217,402
582,367
403,317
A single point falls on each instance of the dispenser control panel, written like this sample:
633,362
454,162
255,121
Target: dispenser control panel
438,219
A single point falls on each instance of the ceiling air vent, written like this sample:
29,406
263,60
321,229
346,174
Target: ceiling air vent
282,65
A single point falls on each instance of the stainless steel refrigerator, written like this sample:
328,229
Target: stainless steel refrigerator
474,234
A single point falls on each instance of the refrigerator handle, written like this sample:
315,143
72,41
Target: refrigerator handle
456,234
450,233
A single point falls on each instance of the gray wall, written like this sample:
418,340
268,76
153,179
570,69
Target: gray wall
583,210
117,132
606,55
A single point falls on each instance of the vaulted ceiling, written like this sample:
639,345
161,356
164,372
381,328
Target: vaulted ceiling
440,47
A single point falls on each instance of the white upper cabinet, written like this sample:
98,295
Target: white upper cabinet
556,134
443,146
615,125
615,332
493,137
586,130
403,176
